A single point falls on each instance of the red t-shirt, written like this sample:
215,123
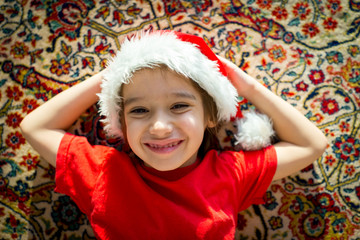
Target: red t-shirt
124,199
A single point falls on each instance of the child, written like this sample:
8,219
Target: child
163,92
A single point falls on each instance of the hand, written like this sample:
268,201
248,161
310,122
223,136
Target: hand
241,80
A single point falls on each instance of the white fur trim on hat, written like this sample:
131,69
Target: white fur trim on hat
254,131
154,49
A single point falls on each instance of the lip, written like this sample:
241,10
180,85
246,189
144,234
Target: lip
164,147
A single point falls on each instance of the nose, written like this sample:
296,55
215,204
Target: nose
161,125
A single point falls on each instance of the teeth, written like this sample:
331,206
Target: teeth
165,146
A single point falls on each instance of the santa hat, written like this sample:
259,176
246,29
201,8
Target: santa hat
189,56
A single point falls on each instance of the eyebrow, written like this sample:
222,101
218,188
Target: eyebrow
131,100
183,94
179,94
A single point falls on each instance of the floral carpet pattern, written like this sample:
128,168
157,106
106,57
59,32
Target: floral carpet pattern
307,52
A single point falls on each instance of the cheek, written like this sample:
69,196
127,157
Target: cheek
190,122
194,124
132,130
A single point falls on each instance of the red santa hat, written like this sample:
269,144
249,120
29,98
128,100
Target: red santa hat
189,56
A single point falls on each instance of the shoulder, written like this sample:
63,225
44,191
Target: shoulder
79,146
268,152
263,158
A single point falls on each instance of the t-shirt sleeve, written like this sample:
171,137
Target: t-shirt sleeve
256,170
78,165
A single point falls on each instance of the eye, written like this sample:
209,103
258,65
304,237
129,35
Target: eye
178,107
138,111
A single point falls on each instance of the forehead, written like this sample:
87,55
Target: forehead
157,80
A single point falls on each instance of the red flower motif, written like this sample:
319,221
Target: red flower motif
330,160
330,24
344,126
30,161
265,4
29,105
14,140
317,76
277,53
280,13
301,9
14,93
310,29
325,201
349,170
329,106
334,6
13,120
346,148
236,38
60,67
302,86
303,54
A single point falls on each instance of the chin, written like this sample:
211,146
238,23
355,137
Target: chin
164,167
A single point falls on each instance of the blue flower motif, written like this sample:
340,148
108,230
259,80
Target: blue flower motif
66,214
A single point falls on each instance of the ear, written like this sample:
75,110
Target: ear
210,124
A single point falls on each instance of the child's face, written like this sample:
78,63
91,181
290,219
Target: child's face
164,118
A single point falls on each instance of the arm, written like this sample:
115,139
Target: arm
301,142
44,127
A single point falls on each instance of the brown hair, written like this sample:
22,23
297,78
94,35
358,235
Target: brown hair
210,140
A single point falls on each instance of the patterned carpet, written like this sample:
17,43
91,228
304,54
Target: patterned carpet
307,52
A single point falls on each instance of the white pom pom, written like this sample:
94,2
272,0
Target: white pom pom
254,131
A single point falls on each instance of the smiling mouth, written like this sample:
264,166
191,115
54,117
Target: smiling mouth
161,148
